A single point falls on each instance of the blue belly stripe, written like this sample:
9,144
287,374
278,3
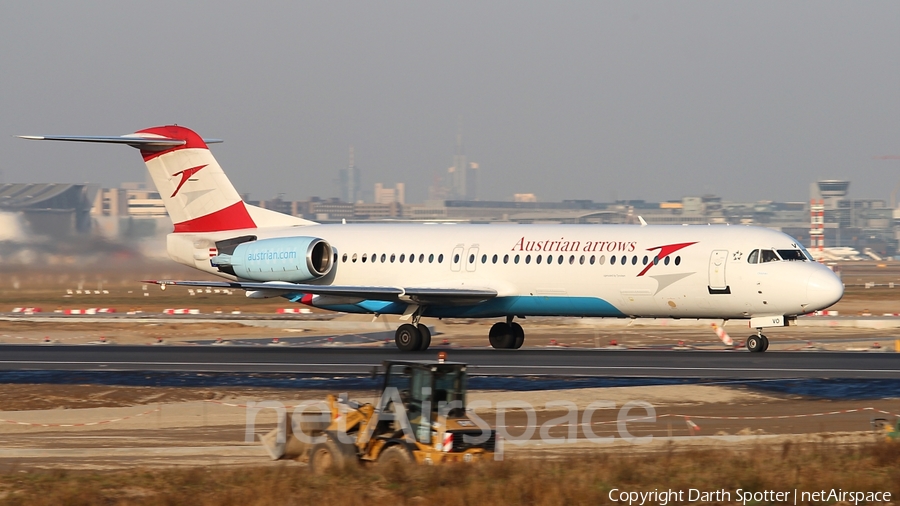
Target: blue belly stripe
498,307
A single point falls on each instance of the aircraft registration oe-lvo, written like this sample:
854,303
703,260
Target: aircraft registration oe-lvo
473,271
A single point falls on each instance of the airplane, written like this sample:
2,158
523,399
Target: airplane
505,272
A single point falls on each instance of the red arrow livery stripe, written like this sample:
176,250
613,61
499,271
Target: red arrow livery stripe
664,251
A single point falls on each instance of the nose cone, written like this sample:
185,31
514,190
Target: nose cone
823,289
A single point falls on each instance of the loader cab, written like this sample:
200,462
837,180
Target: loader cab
428,390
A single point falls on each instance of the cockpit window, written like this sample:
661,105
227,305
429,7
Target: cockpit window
807,254
767,255
792,255
753,257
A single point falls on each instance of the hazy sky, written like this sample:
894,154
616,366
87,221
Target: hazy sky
587,100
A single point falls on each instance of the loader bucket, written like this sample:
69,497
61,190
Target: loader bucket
293,438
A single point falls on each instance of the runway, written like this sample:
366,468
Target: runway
554,362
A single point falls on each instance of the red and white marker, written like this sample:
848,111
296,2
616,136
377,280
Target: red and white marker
723,335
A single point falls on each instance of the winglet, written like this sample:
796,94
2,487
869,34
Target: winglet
643,223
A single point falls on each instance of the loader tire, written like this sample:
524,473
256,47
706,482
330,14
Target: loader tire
327,457
394,457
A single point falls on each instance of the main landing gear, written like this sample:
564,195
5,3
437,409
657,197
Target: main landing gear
507,335
758,343
413,337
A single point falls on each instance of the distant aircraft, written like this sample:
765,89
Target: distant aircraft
847,254
474,271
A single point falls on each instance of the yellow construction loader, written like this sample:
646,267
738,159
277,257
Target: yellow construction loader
420,417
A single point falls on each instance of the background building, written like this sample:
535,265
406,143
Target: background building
50,209
385,195
350,181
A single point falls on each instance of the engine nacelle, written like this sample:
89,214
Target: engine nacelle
294,259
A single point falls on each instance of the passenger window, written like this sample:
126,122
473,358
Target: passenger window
383,258
484,259
441,258
593,259
634,260
678,260
431,258
344,258
412,257
421,258
537,260
456,258
494,259
516,260
612,260
571,259
472,259
601,260
364,257
354,258
644,261
505,258
767,255
581,260
656,260
666,261
394,257
527,259
402,257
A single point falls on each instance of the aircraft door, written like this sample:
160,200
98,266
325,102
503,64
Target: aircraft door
717,279
456,258
472,258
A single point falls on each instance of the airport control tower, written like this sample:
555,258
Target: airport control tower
827,212
831,191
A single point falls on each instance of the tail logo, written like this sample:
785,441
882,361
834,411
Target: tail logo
185,177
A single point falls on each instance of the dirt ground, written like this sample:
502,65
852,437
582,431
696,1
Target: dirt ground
103,427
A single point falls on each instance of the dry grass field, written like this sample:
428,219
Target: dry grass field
573,480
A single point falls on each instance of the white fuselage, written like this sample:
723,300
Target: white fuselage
700,271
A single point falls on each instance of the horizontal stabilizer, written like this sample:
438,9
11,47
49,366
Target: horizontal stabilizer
135,141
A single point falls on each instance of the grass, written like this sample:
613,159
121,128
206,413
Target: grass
576,479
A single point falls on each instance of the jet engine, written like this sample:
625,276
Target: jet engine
293,259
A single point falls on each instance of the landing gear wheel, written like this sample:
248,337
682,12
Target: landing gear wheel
408,337
394,457
426,337
765,341
501,336
755,344
325,457
519,334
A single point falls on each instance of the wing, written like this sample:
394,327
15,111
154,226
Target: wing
420,295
